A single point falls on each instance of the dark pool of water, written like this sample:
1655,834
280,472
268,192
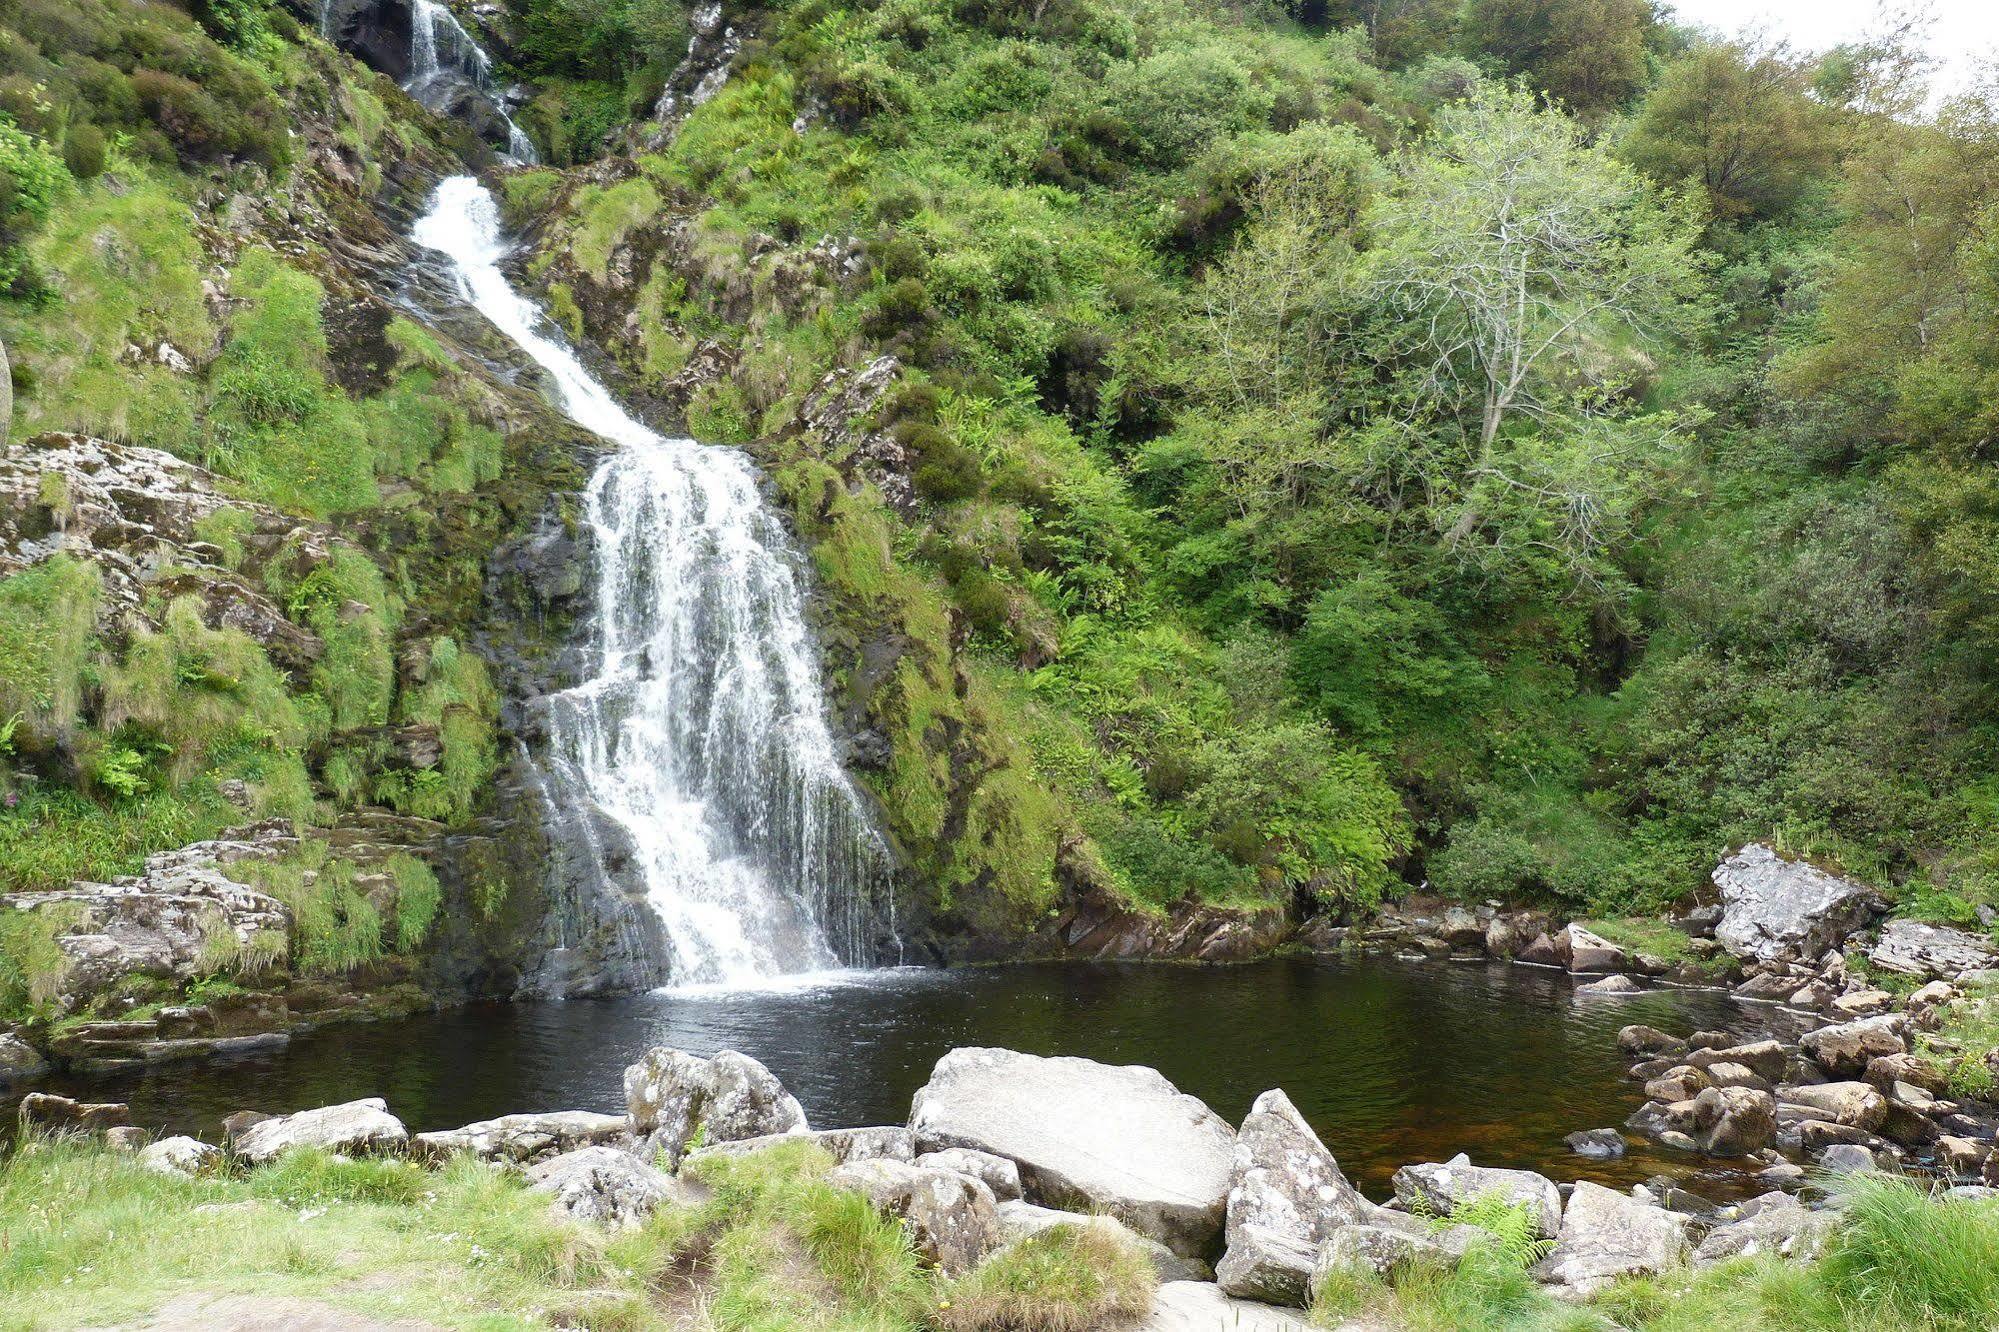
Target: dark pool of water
1392,1062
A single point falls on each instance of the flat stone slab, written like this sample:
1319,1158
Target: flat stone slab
1916,949
1087,1137
521,1138
1199,1306
356,1126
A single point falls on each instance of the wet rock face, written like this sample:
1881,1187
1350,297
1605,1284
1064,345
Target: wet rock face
377,31
1786,910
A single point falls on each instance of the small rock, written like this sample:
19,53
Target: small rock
1734,1121
1766,1058
1019,1219
182,1156
1863,1003
125,1138
1845,1158
1601,1144
1962,1156
1198,1306
891,1142
1606,1235
1640,1039
996,1172
1612,986
1375,1250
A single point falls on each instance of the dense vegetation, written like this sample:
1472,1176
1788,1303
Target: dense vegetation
1521,444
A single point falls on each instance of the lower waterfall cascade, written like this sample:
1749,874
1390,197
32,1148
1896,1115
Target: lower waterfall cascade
701,730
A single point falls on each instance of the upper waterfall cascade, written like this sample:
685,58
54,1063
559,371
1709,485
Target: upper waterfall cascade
702,728
440,51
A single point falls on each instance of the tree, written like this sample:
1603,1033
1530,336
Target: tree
1521,265
1739,122
1587,54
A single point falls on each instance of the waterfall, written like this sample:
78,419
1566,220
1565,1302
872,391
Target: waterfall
701,729
443,56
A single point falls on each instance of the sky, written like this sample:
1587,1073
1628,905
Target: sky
1965,29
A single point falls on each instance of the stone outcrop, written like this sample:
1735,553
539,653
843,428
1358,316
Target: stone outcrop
1786,910
1446,1186
673,1097
1087,1137
353,1127
1916,949
995,1172
181,918
1287,1195
602,1185
521,1139
952,1219
1606,1235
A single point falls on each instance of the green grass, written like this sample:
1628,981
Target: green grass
1969,1032
55,835
48,625
1065,1279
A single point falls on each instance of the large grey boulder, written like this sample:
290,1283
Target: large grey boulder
1845,1049
1851,1103
181,1156
47,1112
1916,949
1786,910
1197,1306
1607,1235
1774,1223
353,1127
1018,1220
1087,1137
1444,1187
890,1142
526,1138
1286,1196
673,1098
952,1219
603,1186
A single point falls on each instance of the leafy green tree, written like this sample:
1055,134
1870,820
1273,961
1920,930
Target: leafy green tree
1587,54
1738,122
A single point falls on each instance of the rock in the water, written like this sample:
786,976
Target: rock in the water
996,1172
1197,1306
673,1097
1447,1186
18,1060
353,1127
1916,949
1606,1235
1613,986
1602,1144
1845,1049
1019,1219
1638,1039
1286,1196
1592,952
1766,1058
952,1219
49,1113
1087,1136
890,1142
1734,1121
1777,909
181,1156
526,1138
603,1185
1852,1103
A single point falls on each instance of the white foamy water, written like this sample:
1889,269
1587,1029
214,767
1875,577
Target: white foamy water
701,729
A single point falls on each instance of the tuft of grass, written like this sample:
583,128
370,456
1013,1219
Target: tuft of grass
1904,1255
1070,1278
48,623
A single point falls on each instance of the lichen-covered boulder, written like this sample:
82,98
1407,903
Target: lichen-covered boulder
999,1174
1773,1223
526,1138
1787,910
1916,949
1606,1235
890,1142
673,1097
1286,1196
1734,1121
603,1186
1443,1187
1845,1049
353,1127
952,1219
181,1156
1852,1103
1087,1137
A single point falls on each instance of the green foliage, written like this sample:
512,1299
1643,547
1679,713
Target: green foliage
48,624
53,836
32,175
417,900
1067,1278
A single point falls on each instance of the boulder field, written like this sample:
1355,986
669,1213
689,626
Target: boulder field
1242,1224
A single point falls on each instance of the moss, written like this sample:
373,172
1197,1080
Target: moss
605,216
525,195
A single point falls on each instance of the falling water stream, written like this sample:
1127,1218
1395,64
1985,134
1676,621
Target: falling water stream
701,728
